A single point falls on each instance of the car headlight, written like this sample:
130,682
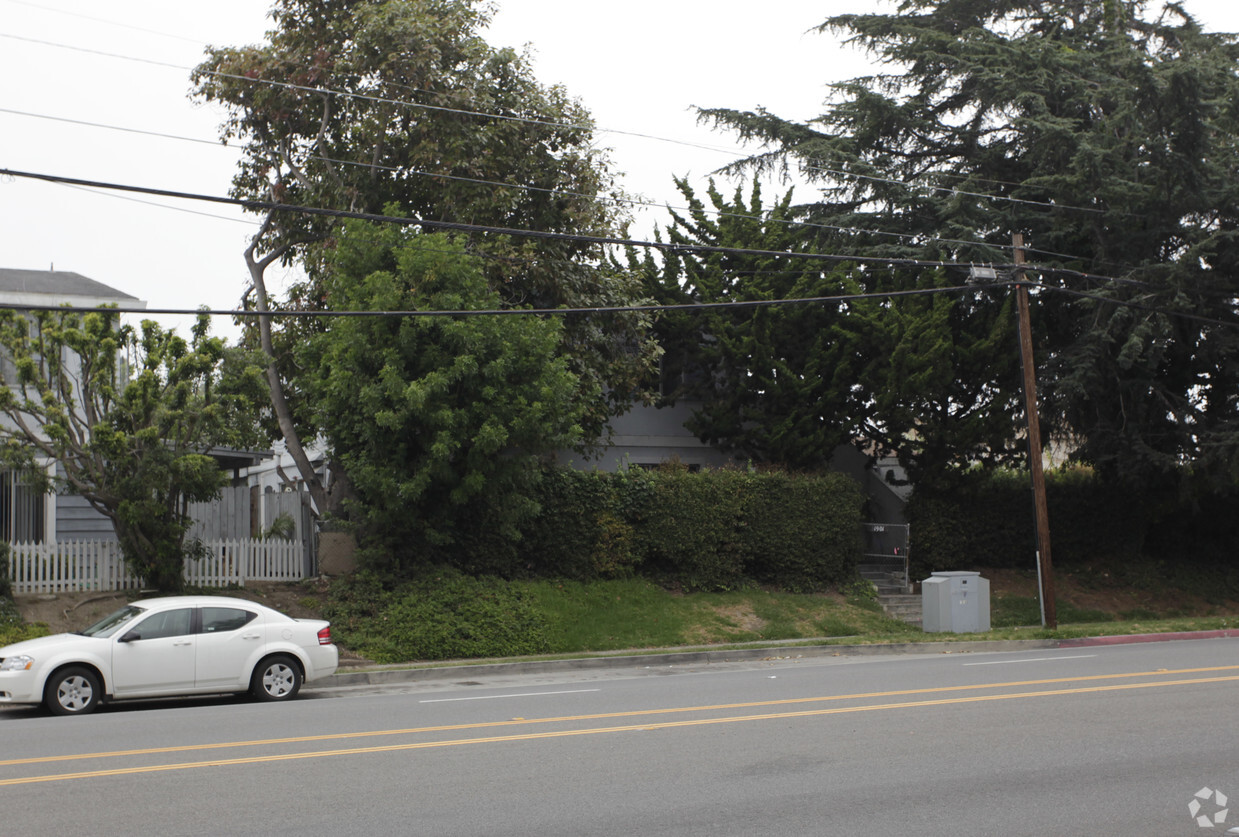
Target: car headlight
22,662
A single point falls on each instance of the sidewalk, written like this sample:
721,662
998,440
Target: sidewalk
403,673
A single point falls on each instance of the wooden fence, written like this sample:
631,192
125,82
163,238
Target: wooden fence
242,512
76,566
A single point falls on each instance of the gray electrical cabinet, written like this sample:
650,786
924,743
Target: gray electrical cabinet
956,602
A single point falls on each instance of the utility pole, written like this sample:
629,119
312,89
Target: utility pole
1045,569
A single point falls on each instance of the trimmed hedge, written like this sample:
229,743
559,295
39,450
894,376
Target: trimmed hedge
713,530
587,528
694,534
985,519
803,533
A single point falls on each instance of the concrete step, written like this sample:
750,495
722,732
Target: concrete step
882,569
889,582
906,618
903,614
901,605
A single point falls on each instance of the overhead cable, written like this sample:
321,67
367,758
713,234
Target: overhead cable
512,118
470,312
457,226
633,202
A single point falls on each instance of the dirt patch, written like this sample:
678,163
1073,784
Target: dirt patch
729,621
63,612
1098,589
742,617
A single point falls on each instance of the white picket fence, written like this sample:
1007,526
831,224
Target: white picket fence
75,566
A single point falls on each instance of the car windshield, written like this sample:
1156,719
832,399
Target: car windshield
113,622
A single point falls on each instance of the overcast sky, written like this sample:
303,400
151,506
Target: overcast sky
70,66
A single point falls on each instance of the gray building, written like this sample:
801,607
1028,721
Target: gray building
647,436
26,515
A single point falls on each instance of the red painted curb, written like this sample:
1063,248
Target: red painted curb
1084,642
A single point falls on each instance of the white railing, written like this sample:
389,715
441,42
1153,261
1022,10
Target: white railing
68,567
239,561
77,566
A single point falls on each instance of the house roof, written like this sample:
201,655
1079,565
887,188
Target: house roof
233,458
62,284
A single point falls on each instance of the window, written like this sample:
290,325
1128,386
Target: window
169,623
113,622
219,619
23,510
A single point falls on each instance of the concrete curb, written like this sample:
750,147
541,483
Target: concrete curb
469,671
1085,642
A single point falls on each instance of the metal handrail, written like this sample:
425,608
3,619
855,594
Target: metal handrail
889,542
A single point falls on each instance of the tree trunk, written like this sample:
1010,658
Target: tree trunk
279,403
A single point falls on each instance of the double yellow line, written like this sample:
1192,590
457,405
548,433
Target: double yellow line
530,736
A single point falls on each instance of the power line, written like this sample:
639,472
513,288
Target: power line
456,226
600,240
245,314
1139,306
548,123
560,192
89,190
360,96
121,128
67,13
470,312
256,205
950,189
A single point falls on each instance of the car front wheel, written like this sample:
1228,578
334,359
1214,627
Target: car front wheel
276,678
73,690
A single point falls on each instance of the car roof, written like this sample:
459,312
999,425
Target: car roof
200,601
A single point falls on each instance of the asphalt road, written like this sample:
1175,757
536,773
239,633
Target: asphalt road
1113,740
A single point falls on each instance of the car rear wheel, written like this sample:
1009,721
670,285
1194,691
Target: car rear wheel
72,691
276,678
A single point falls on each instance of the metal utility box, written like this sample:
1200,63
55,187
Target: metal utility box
957,602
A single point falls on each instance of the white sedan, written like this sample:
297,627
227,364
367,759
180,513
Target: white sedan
179,645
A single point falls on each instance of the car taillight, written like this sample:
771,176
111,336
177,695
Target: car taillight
324,636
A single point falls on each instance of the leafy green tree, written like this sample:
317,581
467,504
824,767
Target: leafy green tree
1107,137
787,384
357,104
943,378
131,440
772,383
433,416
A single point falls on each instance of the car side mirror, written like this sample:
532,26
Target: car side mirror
130,636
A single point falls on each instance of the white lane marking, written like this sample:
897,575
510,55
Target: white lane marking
1032,660
495,697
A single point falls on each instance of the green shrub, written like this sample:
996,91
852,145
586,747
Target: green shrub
1175,534
441,616
355,600
714,530
802,534
587,525
13,628
692,537
985,519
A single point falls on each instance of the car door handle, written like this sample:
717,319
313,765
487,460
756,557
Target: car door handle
181,643
251,636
